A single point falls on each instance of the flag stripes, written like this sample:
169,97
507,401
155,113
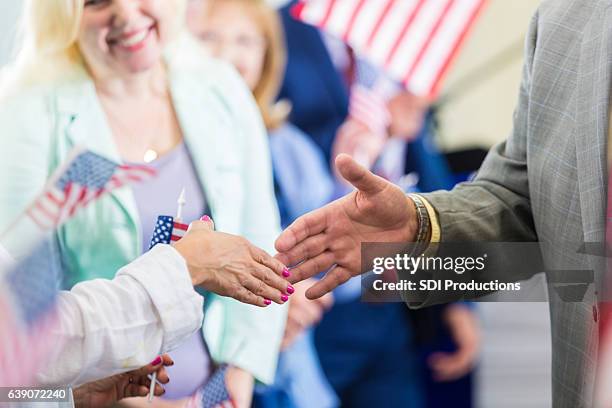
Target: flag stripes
415,41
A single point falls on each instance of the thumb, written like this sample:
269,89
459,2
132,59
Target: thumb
362,179
205,223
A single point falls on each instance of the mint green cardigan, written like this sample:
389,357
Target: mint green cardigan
227,140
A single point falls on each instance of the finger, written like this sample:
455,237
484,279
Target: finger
359,176
332,279
269,270
309,248
136,390
246,296
259,288
448,366
266,259
167,360
312,267
162,376
307,225
205,223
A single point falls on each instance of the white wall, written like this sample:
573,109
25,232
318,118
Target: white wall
9,13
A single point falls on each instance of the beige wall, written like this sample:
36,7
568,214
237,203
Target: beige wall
482,115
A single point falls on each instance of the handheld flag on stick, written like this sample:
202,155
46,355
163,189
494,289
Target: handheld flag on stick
86,177
170,229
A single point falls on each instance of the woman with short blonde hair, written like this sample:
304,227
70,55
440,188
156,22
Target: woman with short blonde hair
122,79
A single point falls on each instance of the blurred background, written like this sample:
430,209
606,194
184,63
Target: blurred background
473,113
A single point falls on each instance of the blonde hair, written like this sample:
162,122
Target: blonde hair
47,37
266,91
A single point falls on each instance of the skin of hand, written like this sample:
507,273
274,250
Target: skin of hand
358,141
240,385
304,313
229,265
377,211
407,115
108,391
465,331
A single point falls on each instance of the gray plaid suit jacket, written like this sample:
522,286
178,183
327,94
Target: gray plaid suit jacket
548,180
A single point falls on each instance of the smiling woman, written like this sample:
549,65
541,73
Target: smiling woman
121,78
52,31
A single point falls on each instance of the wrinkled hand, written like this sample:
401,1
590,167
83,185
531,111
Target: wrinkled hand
377,211
304,313
229,265
466,335
106,392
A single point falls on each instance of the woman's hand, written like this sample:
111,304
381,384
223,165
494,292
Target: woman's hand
466,334
229,265
304,313
239,385
106,392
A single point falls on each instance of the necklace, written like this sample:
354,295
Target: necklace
150,156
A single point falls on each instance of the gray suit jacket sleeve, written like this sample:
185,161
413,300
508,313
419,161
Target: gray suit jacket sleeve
495,207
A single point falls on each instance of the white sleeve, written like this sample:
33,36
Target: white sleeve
112,326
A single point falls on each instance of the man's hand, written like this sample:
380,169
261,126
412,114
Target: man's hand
108,391
466,334
377,211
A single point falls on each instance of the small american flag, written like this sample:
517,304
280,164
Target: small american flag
167,231
213,394
415,41
368,99
85,178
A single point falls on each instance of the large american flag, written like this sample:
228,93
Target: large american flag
167,230
85,178
415,41
213,394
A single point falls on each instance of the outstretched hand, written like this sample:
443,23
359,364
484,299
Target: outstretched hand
329,239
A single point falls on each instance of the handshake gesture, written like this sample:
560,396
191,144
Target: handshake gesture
328,239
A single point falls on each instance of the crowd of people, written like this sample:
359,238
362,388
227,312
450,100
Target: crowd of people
243,111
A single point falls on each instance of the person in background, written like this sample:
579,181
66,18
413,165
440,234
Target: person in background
365,348
123,79
253,43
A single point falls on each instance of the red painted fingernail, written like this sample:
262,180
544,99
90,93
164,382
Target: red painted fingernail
268,302
284,298
286,273
205,218
157,361
290,290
